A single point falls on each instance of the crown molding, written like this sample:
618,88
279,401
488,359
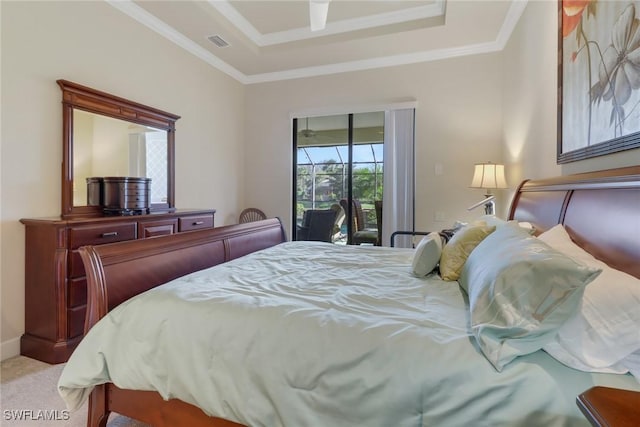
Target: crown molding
510,21
437,8
139,14
129,8
231,13
381,62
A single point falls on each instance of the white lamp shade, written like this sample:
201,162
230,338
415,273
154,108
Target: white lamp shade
488,175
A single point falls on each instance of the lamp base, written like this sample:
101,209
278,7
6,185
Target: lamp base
490,208
489,205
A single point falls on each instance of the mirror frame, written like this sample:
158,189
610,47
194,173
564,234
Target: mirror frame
75,96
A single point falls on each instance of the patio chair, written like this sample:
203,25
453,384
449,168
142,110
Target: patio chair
360,233
378,206
337,227
317,225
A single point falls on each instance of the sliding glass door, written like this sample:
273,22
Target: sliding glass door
338,164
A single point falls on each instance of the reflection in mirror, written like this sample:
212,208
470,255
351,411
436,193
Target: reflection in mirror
108,147
132,144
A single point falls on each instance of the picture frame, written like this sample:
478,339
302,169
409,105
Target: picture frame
598,78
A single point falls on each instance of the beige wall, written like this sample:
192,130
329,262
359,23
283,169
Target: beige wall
93,44
530,101
458,123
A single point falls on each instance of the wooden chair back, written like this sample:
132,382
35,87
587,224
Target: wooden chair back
251,215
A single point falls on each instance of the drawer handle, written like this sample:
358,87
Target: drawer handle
110,234
197,222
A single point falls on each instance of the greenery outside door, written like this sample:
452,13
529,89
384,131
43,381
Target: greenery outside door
338,157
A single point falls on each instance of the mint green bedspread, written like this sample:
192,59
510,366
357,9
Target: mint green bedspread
314,334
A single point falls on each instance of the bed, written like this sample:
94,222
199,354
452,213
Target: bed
358,340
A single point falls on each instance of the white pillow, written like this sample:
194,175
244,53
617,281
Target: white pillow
606,329
521,291
427,254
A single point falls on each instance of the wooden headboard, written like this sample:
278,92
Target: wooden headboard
119,271
600,210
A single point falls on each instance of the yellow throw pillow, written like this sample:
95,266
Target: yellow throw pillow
457,250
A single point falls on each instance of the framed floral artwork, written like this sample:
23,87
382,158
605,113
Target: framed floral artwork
598,78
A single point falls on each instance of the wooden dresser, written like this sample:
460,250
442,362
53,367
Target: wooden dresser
55,284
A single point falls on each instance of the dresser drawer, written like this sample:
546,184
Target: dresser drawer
76,267
77,292
101,234
195,222
157,228
75,320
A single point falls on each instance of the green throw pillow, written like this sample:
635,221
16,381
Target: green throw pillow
521,291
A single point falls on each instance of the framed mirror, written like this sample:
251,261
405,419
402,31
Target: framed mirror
109,136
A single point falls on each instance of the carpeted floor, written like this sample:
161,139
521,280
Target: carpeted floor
28,390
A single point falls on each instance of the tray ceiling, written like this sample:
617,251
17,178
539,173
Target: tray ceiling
271,40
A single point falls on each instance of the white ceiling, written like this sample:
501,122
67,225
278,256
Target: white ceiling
271,40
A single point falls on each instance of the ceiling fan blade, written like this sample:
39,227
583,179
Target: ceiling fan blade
318,10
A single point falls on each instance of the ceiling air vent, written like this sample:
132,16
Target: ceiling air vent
218,41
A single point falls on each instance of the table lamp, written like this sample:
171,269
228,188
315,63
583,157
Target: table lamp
488,176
